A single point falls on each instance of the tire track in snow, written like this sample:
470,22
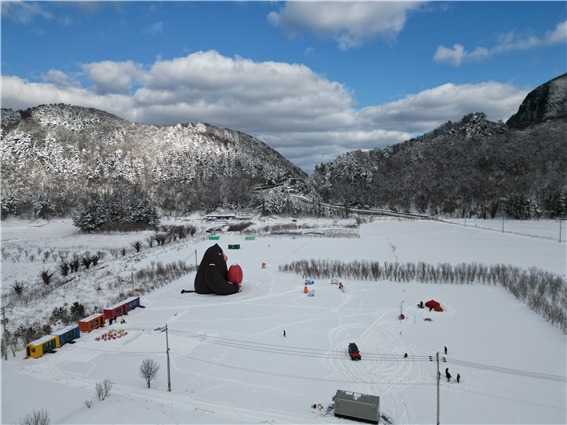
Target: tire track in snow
375,374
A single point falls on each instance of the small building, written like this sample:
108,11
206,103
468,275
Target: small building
42,346
67,334
357,406
92,322
216,217
116,310
132,303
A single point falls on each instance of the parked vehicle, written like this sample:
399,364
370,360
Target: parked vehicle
353,351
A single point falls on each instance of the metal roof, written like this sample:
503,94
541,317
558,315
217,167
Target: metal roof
357,397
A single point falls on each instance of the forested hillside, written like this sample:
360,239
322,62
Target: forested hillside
470,167
53,156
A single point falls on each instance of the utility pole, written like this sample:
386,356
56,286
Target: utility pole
196,265
559,231
5,335
438,379
167,353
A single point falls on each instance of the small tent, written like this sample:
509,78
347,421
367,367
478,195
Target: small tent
432,304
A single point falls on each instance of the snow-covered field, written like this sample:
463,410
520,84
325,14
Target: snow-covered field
230,362
549,229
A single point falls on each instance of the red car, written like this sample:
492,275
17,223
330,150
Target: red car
353,351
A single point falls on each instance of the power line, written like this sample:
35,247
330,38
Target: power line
508,398
312,352
326,354
287,350
287,375
517,372
86,350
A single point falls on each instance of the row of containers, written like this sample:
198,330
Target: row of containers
63,336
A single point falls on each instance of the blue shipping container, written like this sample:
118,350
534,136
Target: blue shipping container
68,333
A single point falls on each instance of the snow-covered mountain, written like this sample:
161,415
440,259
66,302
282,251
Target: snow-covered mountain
472,167
61,152
465,168
548,101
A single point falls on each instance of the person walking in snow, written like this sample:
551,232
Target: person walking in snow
448,377
405,355
284,332
458,378
445,350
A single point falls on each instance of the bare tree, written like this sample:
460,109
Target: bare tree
103,388
149,370
36,418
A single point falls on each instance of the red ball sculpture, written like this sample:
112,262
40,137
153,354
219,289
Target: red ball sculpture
235,274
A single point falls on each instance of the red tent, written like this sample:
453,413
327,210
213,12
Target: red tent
432,304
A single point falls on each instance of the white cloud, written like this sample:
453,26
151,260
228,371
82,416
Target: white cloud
509,42
59,78
428,109
558,35
312,148
212,87
349,23
156,28
22,94
306,117
506,42
310,52
452,56
23,12
68,21
112,77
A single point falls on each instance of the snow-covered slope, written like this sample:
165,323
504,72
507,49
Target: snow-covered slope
67,151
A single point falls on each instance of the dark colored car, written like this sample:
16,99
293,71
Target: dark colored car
353,351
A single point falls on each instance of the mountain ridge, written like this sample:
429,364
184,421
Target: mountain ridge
65,152
470,167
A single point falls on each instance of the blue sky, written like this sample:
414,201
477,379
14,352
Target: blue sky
311,79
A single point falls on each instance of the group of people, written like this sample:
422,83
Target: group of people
448,376
122,321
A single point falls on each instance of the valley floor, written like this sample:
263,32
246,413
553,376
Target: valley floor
230,362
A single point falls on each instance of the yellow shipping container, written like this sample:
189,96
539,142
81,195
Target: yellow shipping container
42,346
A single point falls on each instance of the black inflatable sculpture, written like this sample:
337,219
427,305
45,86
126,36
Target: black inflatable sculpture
212,273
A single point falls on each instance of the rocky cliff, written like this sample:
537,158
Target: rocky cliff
548,101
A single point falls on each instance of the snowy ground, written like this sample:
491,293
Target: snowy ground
548,229
231,364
